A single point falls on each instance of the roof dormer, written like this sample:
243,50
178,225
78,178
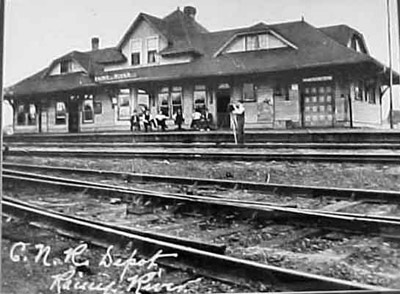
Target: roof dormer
347,36
254,41
65,66
357,43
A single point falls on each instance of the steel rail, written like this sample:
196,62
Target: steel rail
333,221
334,292
267,145
278,189
202,262
197,244
255,204
216,156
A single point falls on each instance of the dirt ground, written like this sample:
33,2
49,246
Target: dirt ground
94,269
346,175
364,259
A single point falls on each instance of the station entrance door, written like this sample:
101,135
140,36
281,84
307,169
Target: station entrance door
73,115
223,97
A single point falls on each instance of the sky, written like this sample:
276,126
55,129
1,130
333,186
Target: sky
36,32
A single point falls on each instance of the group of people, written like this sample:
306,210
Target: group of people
201,120
147,121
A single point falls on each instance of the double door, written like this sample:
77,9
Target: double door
318,105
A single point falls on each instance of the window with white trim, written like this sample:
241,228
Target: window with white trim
88,110
21,115
152,49
61,113
252,42
136,49
249,92
26,114
199,97
124,104
65,66
359,89
176,99
163,100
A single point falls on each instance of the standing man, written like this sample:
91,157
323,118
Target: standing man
238,113
135,121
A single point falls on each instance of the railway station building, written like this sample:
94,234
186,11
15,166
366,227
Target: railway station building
288,75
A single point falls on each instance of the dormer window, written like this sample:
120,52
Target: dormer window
255,41
252,43
136,49
65,66
357,44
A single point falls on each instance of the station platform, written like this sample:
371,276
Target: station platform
220,136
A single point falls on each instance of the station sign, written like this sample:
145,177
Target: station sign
115,77
318,79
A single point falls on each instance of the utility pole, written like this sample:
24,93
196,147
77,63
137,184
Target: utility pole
2,7
390,66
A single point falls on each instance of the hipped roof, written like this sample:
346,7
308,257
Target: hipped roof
314,48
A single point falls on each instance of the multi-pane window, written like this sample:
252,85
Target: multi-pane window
252,42
359,89
65,66
32,114
176,99
21,115
124,104
262,41
163,100
152,48
371,94
199,97
249,93
135,58
61,113
136,49
88,111
170,102
143,100
26,114
152,56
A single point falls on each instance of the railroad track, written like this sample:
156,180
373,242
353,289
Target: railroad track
266,145
381,226
200,262
210,155
367,195
388,227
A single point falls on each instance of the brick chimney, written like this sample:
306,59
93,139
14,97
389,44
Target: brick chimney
190,11
95,43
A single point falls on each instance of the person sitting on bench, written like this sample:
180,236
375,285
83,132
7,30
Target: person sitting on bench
161,119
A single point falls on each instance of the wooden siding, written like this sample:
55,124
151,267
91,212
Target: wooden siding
142,32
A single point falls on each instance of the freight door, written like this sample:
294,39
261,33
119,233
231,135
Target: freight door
318,105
